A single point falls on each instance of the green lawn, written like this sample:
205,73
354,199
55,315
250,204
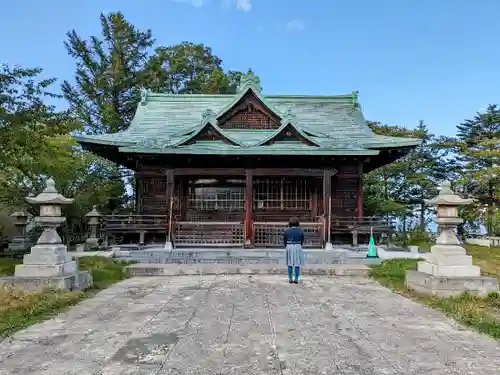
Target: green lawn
482,314
19,309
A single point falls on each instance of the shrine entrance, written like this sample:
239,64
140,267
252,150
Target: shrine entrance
211,212
242,212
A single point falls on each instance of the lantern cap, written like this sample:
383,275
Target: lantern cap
49,195
94,212
447,197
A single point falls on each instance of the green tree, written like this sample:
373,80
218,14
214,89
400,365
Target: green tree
398,189
35,143
479,150
427,166
189,68
379,184
110,70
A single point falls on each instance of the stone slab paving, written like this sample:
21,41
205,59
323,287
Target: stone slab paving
241,324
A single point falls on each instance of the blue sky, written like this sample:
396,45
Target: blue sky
436,60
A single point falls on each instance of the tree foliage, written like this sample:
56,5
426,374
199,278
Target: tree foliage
478,145
110,70
113,67
189,68
36,143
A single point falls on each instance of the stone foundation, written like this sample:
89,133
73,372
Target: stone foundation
231,269
444,286
80,280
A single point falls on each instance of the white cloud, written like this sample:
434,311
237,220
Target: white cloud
244,5
295,25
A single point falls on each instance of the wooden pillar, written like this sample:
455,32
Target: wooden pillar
314,208
360,194
184,197
169,194
248,224
170,186
138,193
327,195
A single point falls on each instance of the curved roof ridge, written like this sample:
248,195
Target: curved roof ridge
288,119
248,82
208,119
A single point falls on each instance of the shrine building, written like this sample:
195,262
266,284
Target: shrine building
230,170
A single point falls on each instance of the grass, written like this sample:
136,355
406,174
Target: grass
482,314
20,309
7,266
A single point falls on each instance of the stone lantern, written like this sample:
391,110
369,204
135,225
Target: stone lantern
448,270
20,221
94,221
49,265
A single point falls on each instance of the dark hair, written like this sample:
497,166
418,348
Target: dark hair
293,222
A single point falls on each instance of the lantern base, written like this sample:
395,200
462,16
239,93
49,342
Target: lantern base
46,270
80,280
443,286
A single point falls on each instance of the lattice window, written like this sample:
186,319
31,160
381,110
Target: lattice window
271,235
217,198
154,195
208,233
250,117
281,194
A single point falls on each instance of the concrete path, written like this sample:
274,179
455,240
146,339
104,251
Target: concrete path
243,325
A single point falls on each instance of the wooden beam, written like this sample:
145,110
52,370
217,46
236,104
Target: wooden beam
255,172
248,226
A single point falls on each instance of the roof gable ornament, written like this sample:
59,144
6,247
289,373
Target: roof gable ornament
355,102
249,80
208,115
289,117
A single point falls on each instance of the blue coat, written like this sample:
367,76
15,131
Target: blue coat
293,235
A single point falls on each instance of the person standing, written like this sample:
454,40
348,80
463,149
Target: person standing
294,239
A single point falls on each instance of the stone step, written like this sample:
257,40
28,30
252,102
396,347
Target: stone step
249,260
359,270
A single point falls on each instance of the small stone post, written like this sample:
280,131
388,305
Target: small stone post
448,270
19,242
94,221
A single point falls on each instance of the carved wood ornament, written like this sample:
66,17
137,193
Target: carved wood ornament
289,133
249,113
209,133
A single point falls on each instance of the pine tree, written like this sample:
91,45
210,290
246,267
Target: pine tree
426,166
110,71
479,149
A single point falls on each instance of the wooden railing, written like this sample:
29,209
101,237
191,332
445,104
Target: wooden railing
208,233
270,234
362,224
135,223
231,233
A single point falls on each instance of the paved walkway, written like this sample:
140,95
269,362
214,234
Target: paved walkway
218,325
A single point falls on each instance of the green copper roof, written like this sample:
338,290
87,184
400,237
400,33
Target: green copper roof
165,123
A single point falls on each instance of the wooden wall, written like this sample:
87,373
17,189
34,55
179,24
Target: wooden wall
154,197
